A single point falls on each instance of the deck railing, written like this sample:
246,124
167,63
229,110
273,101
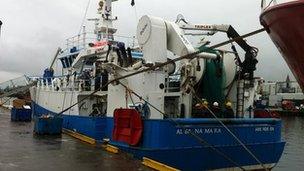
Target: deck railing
77,83
66,83
81,41
268,3
13,83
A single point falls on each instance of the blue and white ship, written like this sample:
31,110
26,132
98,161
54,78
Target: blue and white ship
188,114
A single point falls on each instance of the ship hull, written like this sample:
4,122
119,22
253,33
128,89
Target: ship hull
166,142
92,127
205,158
284,24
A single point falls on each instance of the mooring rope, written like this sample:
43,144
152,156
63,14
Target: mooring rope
196,136
230,132
200,139
188,56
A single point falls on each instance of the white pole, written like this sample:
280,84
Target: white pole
84,36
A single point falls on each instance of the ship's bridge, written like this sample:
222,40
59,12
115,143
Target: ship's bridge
74,45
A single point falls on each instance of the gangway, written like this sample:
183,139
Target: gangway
15,87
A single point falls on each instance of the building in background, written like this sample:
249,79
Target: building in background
273,93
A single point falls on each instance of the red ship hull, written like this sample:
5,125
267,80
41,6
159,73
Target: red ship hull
285,25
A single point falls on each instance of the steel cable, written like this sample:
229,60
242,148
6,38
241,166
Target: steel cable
200,139
188,56
230,132
84,16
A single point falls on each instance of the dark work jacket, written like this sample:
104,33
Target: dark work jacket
229,113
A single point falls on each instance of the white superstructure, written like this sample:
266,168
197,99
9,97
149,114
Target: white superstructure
172,89
80,61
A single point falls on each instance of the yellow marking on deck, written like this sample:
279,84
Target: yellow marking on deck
112,149
157,165
79,136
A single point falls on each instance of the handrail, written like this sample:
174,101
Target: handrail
13,83
269,3
65,83
81,41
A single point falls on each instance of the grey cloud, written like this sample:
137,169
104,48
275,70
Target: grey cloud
33,29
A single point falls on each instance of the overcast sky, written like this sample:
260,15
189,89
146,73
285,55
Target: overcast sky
33,29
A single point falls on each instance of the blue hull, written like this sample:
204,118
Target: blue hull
168,143
172,144
205,158
93,127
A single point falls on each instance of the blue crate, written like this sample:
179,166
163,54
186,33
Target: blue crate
48,126
21,115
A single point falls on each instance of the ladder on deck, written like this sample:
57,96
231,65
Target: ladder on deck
15,87
240,98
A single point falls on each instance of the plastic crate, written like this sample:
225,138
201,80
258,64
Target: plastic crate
48,125
21,115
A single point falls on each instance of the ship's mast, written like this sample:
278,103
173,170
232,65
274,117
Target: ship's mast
104,25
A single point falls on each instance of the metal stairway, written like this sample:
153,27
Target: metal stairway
15,87
240,98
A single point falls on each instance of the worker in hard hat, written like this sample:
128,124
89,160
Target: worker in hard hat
229,113
216,109
202,105
202,111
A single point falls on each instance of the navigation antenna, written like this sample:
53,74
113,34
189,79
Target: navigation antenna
84,17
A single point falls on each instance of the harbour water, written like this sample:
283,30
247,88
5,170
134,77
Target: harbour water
21,150
293,155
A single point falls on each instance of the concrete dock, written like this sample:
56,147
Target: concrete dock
21,150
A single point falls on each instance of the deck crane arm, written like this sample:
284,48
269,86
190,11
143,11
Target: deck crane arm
156,36
249,64
55,57
213,28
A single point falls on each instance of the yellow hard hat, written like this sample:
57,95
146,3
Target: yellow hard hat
205,102
228,104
